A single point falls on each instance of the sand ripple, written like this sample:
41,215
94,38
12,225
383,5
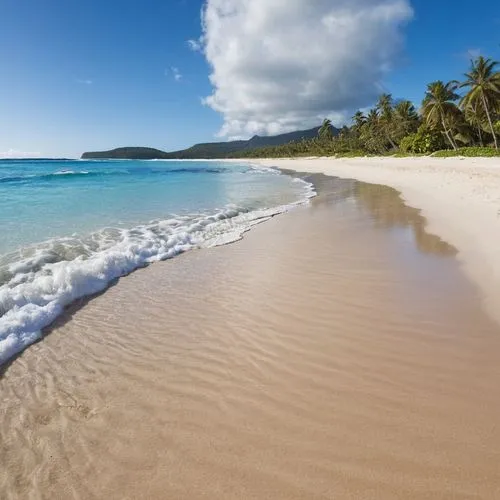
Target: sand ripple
336,352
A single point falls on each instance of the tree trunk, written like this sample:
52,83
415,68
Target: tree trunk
480,136
393,145
485,104
453,142
450,139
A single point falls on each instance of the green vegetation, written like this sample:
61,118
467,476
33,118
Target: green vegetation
448,122
326,130
483,99
471,152
424,141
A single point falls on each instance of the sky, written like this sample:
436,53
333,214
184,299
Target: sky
91,75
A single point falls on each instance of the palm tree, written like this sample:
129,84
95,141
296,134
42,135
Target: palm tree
384,105
325,131
359,119
439,109
484,87
386,111
406,119
475,115
372,118
372,135
405,110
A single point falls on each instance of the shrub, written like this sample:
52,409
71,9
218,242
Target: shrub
406,144
424,141
469,152
352,154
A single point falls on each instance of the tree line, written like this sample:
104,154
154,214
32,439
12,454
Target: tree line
462,117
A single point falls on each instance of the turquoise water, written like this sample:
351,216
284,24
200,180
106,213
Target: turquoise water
68,228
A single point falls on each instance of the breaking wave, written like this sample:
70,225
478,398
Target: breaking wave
37,283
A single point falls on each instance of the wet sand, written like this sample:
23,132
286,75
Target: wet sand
459,197
337,351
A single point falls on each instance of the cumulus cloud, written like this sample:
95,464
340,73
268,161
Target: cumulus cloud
279,65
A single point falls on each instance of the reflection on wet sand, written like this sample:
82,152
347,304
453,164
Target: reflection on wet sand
388,209
383,204
302,362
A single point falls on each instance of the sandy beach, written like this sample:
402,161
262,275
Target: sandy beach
250,250
337,351
459,197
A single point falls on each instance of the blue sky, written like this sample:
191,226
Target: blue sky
440,41
93,75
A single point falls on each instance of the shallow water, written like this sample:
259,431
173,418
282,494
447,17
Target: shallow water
69,228
337,351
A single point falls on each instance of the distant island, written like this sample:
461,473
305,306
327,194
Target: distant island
208,150
128,153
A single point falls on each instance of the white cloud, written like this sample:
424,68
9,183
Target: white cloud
84,81
14,153
279,65
195,45
175,73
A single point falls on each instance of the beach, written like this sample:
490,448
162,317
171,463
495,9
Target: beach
339,350
459,197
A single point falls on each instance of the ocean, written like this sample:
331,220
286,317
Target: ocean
70,227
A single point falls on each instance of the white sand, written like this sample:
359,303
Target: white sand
323,356
460,198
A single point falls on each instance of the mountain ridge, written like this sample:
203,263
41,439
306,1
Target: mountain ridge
208,150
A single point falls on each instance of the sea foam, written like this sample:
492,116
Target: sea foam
36,285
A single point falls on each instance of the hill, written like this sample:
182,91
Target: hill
129,153
205,150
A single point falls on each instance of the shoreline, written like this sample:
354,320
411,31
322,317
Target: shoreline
335,351
459,198
40,276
